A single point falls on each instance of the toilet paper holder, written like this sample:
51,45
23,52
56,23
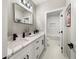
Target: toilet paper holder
71,46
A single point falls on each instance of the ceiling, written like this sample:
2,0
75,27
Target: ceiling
37,2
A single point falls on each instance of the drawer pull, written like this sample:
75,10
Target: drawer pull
37,56
42,42
27,56
24,58
37,41
37,48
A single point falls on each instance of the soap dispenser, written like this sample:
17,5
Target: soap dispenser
23,35
14,36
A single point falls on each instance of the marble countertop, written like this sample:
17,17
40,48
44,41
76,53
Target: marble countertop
19,43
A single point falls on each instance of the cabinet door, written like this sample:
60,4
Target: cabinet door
16,57
36,48
30,49
37,52
20,54
41,44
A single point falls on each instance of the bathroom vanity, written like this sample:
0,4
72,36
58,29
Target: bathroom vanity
29,47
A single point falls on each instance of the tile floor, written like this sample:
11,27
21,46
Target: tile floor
53,51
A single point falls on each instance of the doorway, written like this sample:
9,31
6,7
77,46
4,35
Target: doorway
54,35
54,27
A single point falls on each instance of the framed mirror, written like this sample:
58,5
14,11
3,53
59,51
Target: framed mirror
22,14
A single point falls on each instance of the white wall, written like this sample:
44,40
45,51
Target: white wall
73,28
70,33
4,28
44,7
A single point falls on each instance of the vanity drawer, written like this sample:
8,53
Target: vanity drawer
39,46
39,42
36,43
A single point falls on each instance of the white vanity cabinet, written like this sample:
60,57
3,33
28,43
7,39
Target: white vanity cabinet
39,46
31,51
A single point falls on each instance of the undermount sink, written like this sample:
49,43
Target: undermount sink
21,39
31,35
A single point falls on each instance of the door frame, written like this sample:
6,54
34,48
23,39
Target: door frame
59,9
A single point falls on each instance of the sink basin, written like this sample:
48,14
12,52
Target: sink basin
31,35
17,44
21,39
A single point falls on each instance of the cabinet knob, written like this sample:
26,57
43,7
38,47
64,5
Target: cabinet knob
27,56
24,58
37,41
61,15
42,42
37,56
37,48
